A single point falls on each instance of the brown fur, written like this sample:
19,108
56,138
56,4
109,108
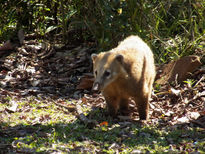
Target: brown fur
126,71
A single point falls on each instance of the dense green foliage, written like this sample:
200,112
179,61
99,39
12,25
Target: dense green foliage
172,28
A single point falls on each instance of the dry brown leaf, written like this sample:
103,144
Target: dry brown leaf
86,82
6,46
13,108
104,123
179,69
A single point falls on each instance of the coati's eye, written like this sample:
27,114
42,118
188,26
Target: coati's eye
107,73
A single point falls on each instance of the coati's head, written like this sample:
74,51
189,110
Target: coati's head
107,67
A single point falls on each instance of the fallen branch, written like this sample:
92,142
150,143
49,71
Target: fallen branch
83,118
196,96
202,78
198,123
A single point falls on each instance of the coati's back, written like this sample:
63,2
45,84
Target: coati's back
125,71
138,57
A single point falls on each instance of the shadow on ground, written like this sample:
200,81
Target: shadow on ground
79,137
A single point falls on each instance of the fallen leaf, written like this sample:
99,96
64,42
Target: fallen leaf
182,120
86,82
104,123
168,113
194,115
7,46
13,108
174,91
202,112
179,69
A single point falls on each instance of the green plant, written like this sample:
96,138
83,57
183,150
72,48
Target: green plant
172,28
190,82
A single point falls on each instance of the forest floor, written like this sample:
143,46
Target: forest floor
46,106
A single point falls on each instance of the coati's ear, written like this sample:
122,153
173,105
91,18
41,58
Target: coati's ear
94,56
119,58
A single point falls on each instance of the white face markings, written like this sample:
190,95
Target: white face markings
95,73
114,73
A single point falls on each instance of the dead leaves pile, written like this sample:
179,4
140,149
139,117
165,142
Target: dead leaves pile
183,105
41,69
54,75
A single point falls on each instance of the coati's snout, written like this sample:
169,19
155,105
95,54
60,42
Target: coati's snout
96,87
102,79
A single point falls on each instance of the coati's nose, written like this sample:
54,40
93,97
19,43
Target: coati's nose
96,86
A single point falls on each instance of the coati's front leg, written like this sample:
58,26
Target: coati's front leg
112,105
124,106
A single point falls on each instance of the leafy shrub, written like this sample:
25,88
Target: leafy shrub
172,28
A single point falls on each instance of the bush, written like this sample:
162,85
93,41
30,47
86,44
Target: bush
173,28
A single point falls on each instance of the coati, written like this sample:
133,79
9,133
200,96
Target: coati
127,71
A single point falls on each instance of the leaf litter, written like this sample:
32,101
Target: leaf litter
44,76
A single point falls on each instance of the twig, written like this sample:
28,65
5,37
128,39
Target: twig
199,81
196,96
162,93
198,123
70,108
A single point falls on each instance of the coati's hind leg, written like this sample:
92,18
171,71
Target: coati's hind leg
142,99
142,103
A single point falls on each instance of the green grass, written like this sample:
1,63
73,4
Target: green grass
45,127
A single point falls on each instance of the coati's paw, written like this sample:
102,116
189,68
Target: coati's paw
112,111
125,112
